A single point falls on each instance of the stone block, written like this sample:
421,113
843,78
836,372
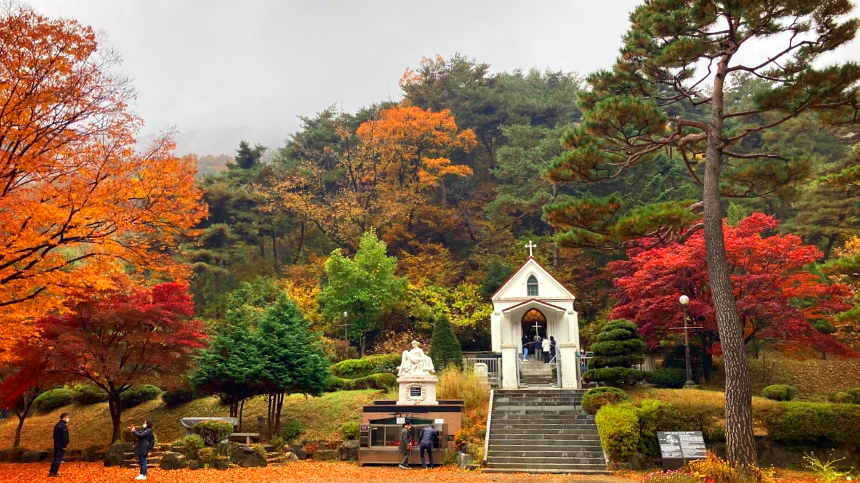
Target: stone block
299,450
290,456
325,455
116,453
639,462
34,456
71,455
348,451
195,465
240,453
172,461
463,460
254,460
14,455
221,464
93,453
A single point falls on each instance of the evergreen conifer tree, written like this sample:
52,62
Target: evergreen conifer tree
617,348
444,345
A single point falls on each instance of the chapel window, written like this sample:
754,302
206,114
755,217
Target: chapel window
532,285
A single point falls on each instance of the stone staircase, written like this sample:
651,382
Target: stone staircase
536,373
543,431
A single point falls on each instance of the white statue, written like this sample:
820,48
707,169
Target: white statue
415,363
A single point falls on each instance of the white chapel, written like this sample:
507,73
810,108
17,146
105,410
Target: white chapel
532,301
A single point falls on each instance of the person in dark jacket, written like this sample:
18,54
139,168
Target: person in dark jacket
145,443
61,442
405,447
525,348
426,438
552,348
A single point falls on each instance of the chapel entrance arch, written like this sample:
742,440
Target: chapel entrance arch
530,318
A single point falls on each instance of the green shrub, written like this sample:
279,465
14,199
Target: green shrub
779,392
358,368
614,376
53,399
444,346
350,430
206,456
619,430
597,397
213,432
373,381
138,395
89,394
850,396
291,429
179,396
192,443
822,424
670,377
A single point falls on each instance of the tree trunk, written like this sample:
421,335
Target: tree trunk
361,343
21,418
216,282
115,408
444,194
280,405
274,251
740,443
301,242
707,358
754,345
241,413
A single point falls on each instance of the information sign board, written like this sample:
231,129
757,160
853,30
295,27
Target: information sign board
679,447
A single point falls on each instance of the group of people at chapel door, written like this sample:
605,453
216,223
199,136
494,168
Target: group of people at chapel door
543,349
145,444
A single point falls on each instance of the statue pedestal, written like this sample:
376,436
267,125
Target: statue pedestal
417,390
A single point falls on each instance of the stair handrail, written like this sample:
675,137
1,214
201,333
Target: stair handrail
487,434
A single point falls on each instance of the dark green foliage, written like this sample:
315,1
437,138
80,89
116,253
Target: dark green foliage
670,377
497,274
213,432
138,395
53,399
823,424
191,444
355,368
292,429
700,360
374,381
779,392
350,430
597,397
178,396
616,349
444,346
89,394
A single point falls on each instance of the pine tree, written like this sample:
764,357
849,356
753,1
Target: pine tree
655,101
617,348
444,345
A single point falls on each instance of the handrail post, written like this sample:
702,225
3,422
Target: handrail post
487,435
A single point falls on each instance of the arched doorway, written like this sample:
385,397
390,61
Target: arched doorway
530,318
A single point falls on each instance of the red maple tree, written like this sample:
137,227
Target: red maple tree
778,299
123,338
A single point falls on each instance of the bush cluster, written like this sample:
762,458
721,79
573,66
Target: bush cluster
178,396
820,424
213,432
619,430
53,399
192,444
617,348
89,394
358,368
374,381
138,395
850,396
350,430
615,376
779,392
597,397
668,377
291,429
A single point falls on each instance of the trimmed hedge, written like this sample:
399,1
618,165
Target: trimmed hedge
191,445
213,432
669,377
614,376
53,399
779,392
597,397
138,395
88,394
619,430
350,430
178,396
821,424
292,429
849,396
373,381
359,368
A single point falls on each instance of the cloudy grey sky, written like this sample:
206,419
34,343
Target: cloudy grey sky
226,70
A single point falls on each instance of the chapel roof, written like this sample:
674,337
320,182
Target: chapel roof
531,261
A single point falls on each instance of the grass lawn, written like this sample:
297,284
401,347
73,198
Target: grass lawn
91,425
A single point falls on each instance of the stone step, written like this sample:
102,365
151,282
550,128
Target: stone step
537,426
538,401
517,392
579,469
553,460
544,453
501,438
566,411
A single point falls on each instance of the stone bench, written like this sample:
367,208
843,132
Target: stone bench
248,436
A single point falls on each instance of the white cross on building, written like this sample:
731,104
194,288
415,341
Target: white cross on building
530,246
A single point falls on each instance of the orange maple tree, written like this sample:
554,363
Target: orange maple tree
77,200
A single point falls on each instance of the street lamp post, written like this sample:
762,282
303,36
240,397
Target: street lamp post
684,300
345,327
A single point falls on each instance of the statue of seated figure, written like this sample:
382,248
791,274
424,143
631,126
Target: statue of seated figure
415,363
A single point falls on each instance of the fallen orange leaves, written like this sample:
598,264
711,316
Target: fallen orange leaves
301,470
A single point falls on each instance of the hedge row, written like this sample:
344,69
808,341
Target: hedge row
357,368
373,381
819,424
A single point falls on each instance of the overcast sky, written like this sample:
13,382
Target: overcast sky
226,70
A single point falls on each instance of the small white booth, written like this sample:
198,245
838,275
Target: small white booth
533,302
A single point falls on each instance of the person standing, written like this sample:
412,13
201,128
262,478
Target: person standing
426,438
552,348
525,348
145,443
537,348
545,346
405,445
61,442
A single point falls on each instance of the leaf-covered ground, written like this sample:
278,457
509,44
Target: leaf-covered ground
302,470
